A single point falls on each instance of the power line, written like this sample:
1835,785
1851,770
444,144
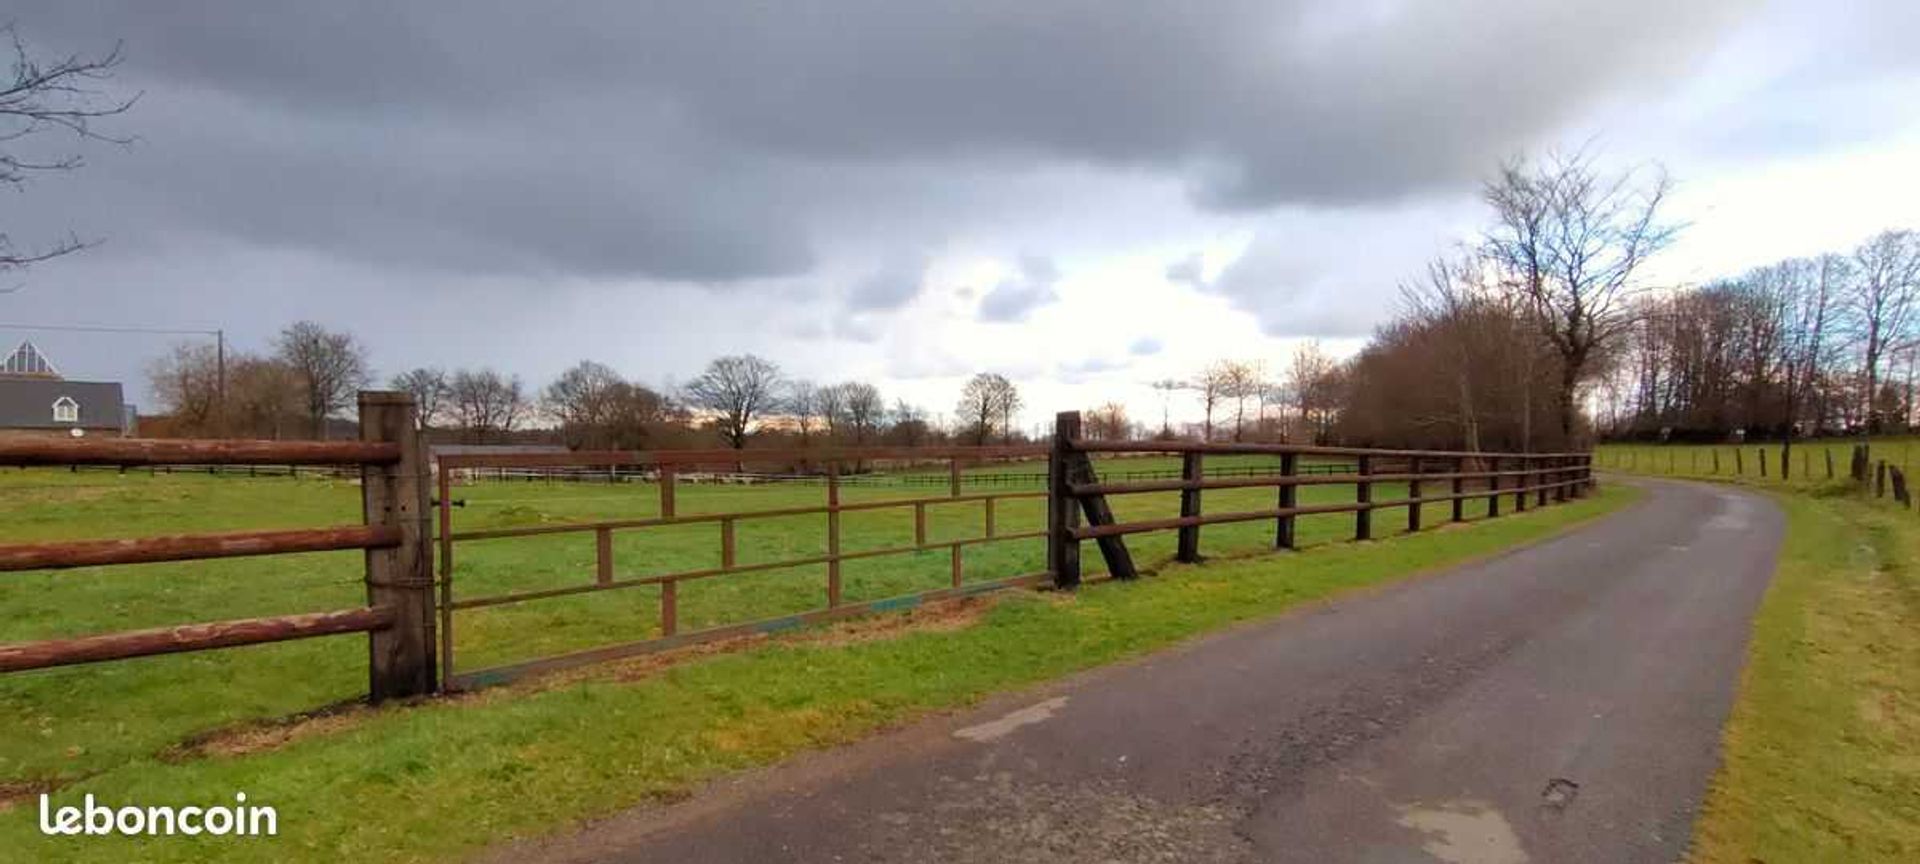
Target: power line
101,328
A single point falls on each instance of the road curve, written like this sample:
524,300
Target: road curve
1560,703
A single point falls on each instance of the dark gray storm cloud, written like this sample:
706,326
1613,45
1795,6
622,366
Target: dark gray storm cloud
717,142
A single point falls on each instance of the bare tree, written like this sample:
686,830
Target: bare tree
1240,381
429,387
186,382
1309,376
909,424
1212,387
1571,241
58,96
865,410
1108,422
987,402
329,367
1881,305
584,401
486,404
803,404
737,390
833,410
263,396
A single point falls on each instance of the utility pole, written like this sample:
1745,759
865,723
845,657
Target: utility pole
220,376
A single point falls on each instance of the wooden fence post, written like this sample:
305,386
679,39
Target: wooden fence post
1289,498
666,491
1760,453
1520,488
1880,479
1716,460
1739,463
1829,454
1363,495
1191,470
1063,550
400,658
1413,492
833,533
1541,478
1493,486
1459,486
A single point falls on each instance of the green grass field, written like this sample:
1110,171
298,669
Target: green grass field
426,781
1821,758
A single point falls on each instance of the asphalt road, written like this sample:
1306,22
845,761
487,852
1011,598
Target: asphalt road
1562,703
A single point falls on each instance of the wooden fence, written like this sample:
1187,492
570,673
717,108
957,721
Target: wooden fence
410,624
665,466
1076,490
399,614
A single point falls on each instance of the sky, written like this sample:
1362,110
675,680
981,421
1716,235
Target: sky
1084,196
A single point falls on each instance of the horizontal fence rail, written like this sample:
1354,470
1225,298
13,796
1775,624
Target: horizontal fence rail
167,451
398,617
191,547
22,656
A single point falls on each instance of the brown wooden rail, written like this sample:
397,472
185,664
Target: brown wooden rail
21,656
190,547
170,451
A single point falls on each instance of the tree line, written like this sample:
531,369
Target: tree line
307,381
1543,335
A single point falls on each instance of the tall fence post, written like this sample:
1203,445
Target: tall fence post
1063,549
833,533
1760,453
1829,455
1458,486
1520,488
1493,486
1363,494
1739,463
1413,493
1289,498
1191,471
400,658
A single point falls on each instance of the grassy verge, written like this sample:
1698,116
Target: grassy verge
436,780
1821,756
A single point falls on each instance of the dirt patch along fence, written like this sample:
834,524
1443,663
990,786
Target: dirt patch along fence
398,617
1075,490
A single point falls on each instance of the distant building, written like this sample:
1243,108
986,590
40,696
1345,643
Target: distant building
36,400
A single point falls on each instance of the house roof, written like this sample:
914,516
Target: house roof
27,360
27,403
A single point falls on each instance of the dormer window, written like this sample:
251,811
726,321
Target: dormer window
65,410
